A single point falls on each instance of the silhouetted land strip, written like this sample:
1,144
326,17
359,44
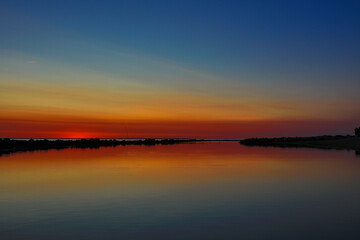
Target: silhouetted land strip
325,142
8,146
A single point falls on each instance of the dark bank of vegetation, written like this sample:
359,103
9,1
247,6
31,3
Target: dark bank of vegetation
347,142
14,145
357,131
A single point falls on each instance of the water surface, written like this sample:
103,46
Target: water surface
214,190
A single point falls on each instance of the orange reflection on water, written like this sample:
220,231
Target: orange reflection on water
139,167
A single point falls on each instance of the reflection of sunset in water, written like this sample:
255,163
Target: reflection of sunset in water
202,189
163,166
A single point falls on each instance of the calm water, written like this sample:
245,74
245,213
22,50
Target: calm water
216,190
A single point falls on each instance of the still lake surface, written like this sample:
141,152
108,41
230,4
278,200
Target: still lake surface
213,190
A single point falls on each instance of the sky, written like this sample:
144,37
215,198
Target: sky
203,69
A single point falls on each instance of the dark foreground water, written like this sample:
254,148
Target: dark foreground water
215,190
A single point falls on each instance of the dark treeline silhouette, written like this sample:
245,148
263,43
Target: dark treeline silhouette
8,145
326,142
357,131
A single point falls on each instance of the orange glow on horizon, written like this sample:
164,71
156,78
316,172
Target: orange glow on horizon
38,109
96,128
78,135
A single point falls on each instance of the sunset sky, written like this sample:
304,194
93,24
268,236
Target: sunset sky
205,69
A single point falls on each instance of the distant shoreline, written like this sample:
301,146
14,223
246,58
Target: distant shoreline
8,146
338,142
